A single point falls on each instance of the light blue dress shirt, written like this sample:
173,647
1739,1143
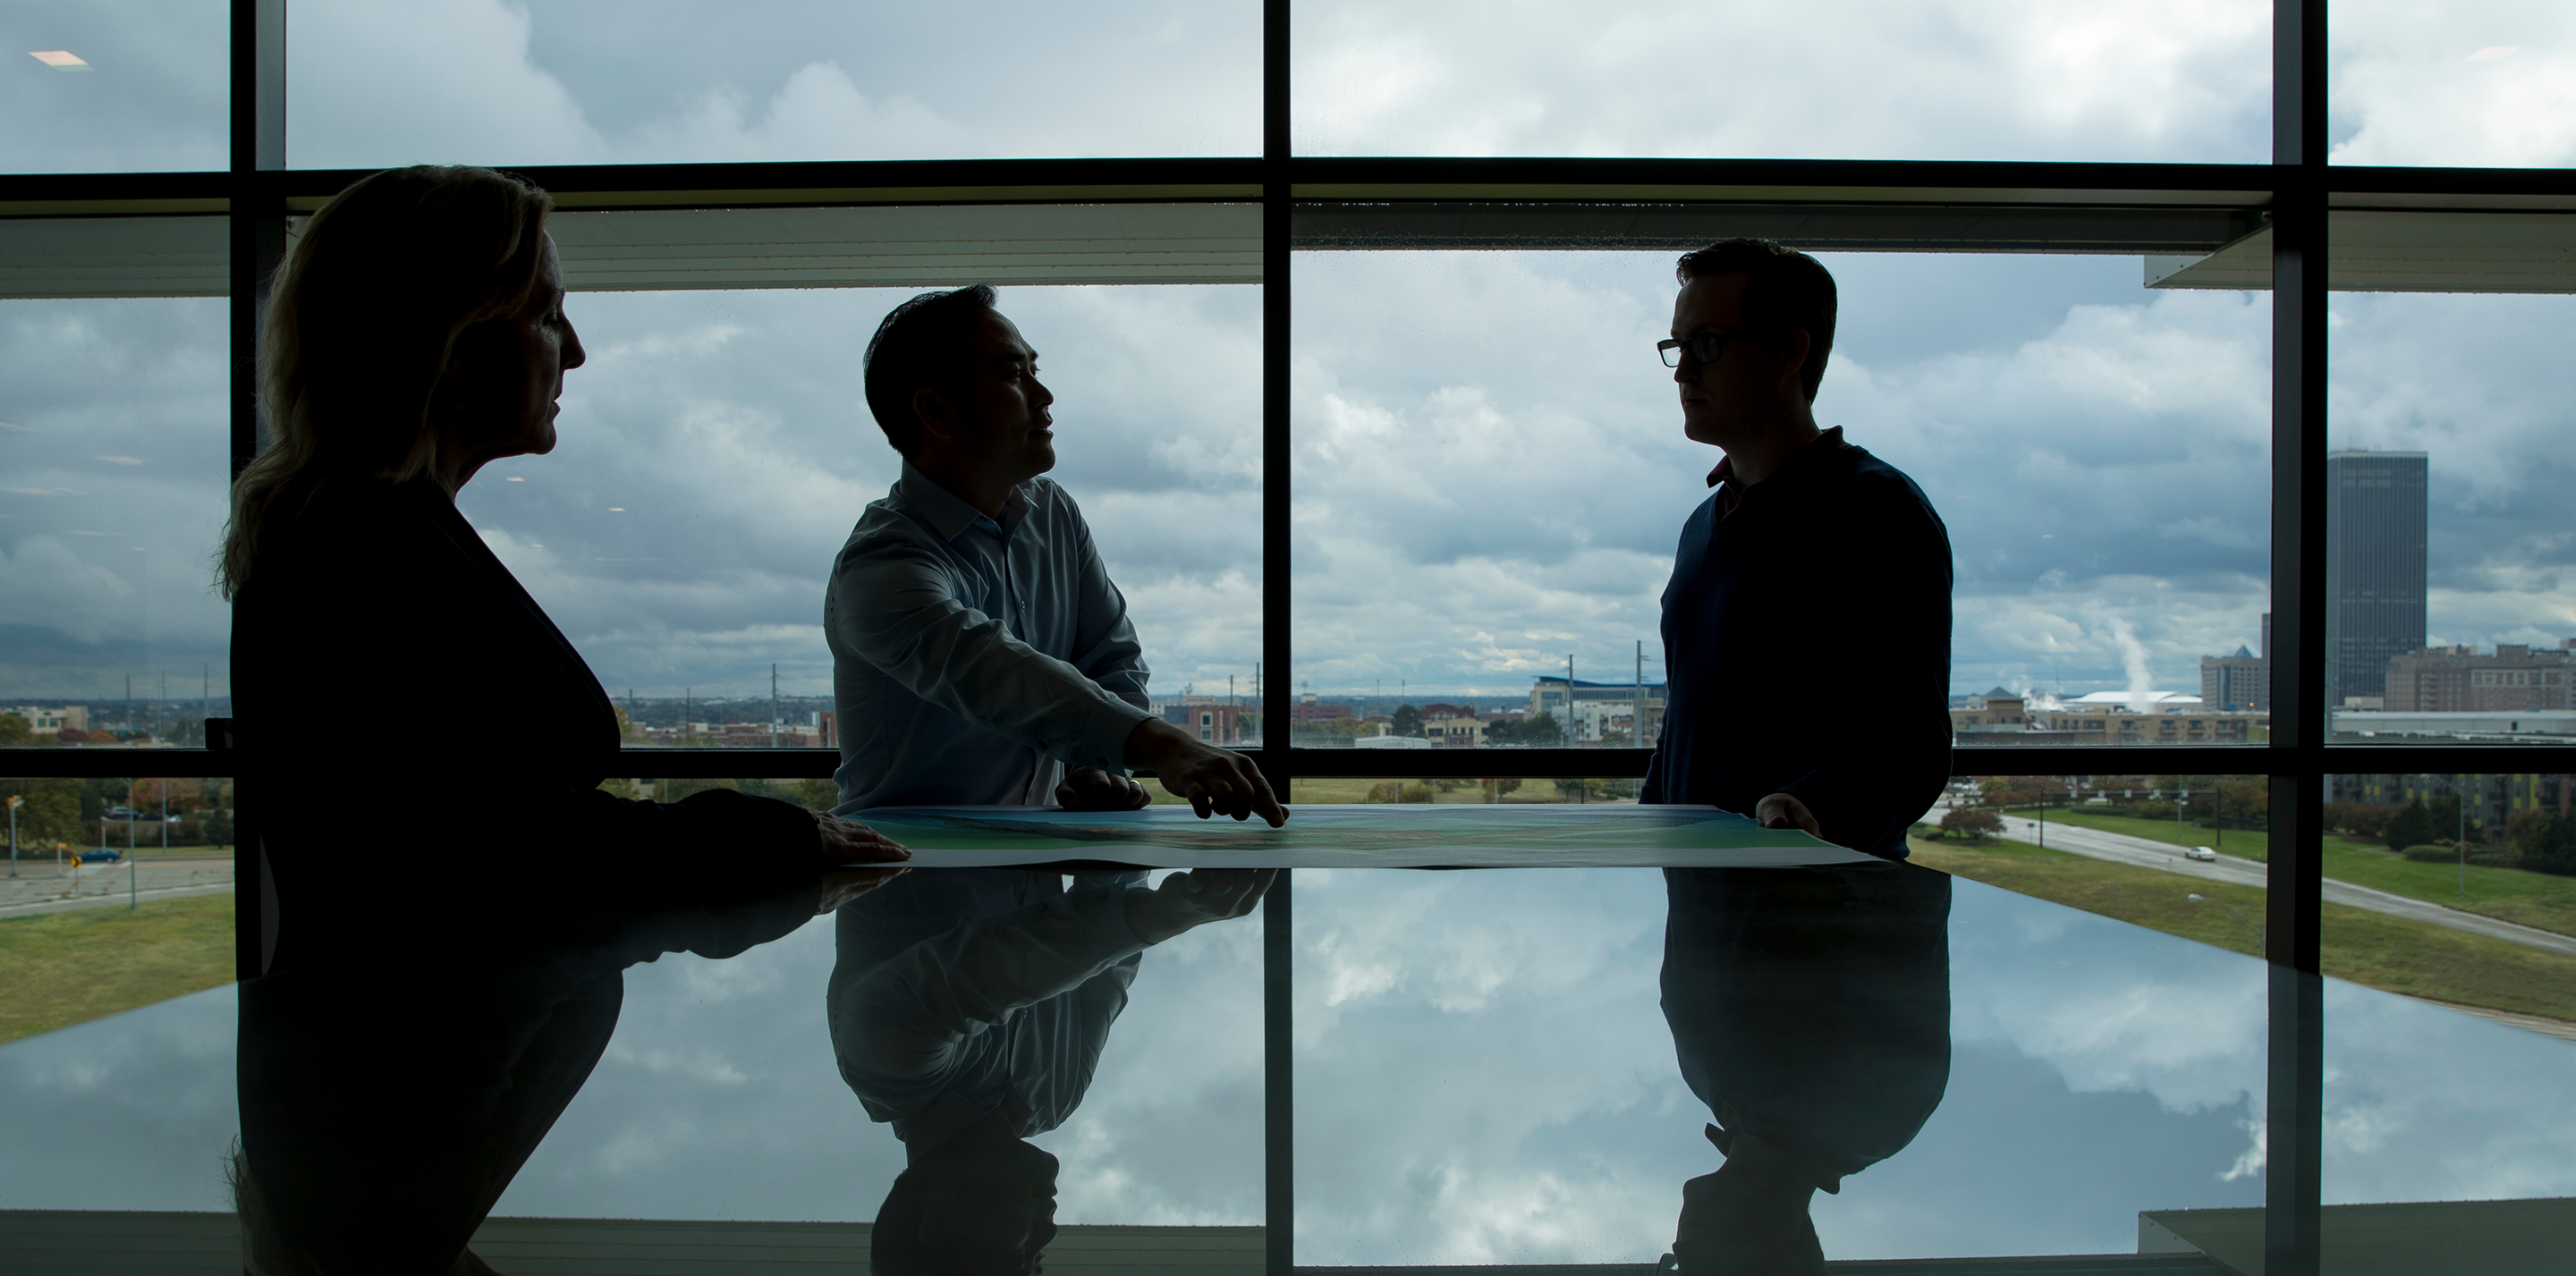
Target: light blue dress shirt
962,990
973,659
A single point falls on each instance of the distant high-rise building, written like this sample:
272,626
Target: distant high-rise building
2375,513
2237,683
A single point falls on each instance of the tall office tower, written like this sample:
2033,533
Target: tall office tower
2375,505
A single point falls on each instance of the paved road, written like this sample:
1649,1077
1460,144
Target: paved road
42,888
2120,848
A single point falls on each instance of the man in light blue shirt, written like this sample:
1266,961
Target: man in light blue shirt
980,653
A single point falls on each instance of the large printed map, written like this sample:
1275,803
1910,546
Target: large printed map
1431,836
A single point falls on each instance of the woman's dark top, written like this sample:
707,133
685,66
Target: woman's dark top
422,748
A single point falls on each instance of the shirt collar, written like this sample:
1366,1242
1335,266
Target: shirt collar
1725,471
949,515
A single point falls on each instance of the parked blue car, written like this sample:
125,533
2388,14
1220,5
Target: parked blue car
101,857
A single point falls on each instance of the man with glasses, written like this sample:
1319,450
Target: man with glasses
1807,623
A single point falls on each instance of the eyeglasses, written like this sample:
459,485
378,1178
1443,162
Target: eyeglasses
1705,347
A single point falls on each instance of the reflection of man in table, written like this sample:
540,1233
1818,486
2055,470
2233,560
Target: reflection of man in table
1810,1010
968,1009
980,653
1807,624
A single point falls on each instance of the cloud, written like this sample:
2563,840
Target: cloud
2491,85
2016,80
374,83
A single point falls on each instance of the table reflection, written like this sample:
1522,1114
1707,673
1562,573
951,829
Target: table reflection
388,1097
969,1009
1810,1011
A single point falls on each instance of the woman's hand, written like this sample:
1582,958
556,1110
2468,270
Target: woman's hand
848,844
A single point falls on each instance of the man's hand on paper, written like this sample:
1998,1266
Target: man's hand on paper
1213,780
1784,811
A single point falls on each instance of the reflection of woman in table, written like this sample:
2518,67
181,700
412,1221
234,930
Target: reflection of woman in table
1810,1010
968,1009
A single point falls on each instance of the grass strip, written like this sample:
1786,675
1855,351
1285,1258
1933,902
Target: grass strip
88,963
2395,954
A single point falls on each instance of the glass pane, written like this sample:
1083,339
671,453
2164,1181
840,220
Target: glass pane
1960,80
2451,608
2450,1012
114,436
2469,83
107,86
1531,1067
1491,478
717,449
590,82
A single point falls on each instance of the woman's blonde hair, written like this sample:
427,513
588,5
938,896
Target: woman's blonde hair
362,326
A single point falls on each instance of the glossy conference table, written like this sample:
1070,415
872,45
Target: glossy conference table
1512,1066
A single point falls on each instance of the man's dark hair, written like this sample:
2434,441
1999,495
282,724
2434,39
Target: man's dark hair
925,342
1783,289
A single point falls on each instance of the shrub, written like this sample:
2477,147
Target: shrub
1973,822
2409,826
1415,792
1389,791
2427,853
2358,819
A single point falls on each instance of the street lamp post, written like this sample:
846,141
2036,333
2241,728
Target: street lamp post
2460,807
2231,911
15,802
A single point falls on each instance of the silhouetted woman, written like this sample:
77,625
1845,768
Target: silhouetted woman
422,748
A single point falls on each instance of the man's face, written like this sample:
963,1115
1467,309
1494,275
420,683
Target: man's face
1721,401
1004,425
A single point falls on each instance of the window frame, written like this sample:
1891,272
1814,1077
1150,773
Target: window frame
1320,203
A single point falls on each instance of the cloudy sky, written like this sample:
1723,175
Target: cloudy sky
1483,1076
1488,474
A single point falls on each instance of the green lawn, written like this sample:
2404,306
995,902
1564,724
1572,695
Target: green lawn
2373,949
88,963
2510,894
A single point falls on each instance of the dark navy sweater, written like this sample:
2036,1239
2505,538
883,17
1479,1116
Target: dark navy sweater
1807,650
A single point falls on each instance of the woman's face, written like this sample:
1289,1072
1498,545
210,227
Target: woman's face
509,373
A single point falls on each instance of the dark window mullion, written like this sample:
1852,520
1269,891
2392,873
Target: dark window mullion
2295,1064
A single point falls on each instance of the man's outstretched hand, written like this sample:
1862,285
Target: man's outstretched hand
1784,811
1214,780
1088,788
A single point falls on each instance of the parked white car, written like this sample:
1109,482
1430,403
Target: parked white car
2201,853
